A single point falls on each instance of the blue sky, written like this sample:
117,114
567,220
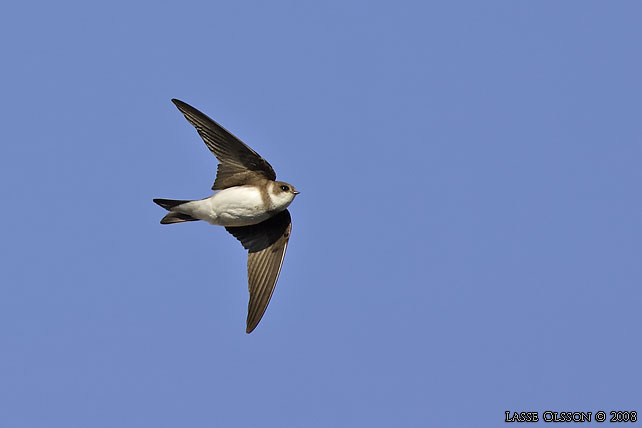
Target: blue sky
468,239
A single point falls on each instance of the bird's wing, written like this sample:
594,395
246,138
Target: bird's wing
266,243
239,164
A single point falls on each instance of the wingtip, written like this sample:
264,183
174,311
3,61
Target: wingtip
184,107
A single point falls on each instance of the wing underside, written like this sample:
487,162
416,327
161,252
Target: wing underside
266,243
239,164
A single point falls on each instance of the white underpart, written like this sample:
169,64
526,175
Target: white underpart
235,206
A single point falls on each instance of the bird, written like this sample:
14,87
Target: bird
249,203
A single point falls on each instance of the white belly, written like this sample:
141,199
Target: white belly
236,206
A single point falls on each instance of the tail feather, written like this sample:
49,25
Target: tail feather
172,216
168,204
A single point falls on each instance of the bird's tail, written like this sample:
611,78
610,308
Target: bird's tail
173,216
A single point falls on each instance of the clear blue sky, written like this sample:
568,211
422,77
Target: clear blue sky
468,239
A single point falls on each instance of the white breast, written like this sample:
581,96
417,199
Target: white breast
235,206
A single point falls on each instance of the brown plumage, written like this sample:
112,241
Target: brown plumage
266,241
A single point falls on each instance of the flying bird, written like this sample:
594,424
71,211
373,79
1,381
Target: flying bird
249,203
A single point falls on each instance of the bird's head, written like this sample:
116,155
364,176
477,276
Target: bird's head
282,193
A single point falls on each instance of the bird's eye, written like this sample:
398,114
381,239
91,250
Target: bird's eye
285,188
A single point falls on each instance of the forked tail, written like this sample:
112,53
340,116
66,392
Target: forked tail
173,216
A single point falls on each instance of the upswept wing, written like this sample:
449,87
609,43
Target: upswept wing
239,164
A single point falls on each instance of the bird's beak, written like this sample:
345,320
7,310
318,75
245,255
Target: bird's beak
296,192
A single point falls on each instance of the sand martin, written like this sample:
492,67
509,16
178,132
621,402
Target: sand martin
249,203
